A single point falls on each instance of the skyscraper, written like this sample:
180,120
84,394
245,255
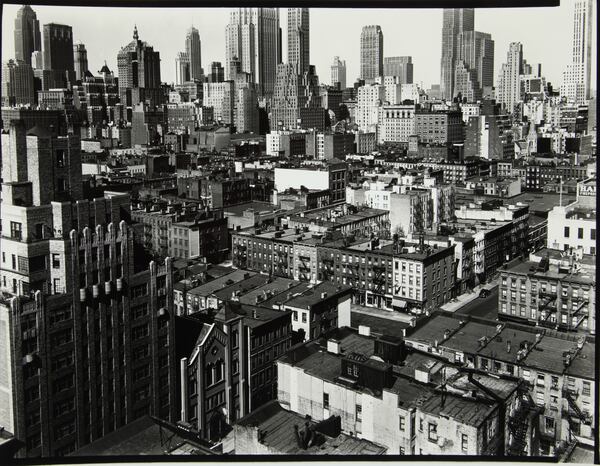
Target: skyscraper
193,48
252,36
508,86
58,53
298,39
474,65
399,66
80,61
371,53
85,329
455,21
139,74
17,84
338,72
576,78
27,34
182,68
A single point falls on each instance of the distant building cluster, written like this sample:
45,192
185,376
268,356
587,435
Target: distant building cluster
251,261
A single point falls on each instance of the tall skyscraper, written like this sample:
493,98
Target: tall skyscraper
371,53
86,332
27,34
17,84
217,73
58,53
298,39
338,72
139,74
508,86
182,68
252,36
399,66
80,61
455,21
193,48
474,65
577,77
37,60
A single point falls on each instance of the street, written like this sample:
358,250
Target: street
486,308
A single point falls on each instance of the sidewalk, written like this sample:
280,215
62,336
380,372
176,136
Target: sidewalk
466,298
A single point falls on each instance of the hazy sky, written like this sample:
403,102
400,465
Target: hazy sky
546,34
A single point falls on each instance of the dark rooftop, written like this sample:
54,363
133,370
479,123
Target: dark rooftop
378,325
467,339
433,329
465,411
583,364
506,344
210,287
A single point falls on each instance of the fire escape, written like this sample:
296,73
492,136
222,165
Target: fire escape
574,411
578,305
352,274
240,256
304,268
520,421
327,271
281,264
547,306
379,279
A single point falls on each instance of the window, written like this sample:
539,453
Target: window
295,316
593,233
549,423
464,442
432,432
580,233
586,390
16,231
567,232
402,423
402,451
304,317
541,379
325,400
358,413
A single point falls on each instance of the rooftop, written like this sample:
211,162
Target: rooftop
464,410
378,325
468,339
270,289
277,426
206,289
312,296
582,365
541,202
433,329
241,287
505,345
547,355
585,275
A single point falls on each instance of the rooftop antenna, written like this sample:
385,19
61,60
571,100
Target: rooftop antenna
560,189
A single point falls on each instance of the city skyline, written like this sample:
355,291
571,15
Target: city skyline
552,50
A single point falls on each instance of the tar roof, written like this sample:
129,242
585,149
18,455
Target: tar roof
242,286
312,296
506,344
277,424
467,339
281,298
433,329
583,276
547,354
411,393
263,292
582,365
378,325
502,387
542,203
210,287
463,410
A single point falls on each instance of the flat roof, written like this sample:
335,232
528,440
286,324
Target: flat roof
242,286
263,292
465,411
433,329
547,354
259,207
584,276
498,348
582,365
210,287
378,325
312,296
541,202
466,339
278,426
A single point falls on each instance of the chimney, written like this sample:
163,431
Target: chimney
324,295
333,346
508,346
446,334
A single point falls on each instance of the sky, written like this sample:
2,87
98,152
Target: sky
546,35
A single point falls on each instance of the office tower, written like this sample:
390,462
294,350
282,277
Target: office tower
474,65
253,36
576,78
80,61
193,49
17,84
369,99
139,74
399,66
220,95
182,68
296,100
58,53
371,53
455,21
37,60
298,39
217,73
27,34
85,324
508,86
338,72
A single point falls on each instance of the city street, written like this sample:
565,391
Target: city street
486,308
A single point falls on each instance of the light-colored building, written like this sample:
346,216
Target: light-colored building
298,39
402,67
221,97
369,99
508,85
338,72
17,84
371,53
395,123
